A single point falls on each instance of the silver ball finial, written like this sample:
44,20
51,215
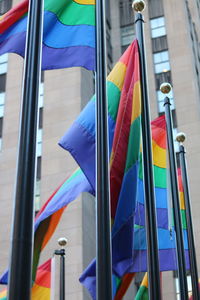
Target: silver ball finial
181,137
165,88
139,5
62,241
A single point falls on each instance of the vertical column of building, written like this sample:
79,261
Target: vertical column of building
3,71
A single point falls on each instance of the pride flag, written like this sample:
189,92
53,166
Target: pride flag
166,233
48,217
41,286
68,37
124,113
142,293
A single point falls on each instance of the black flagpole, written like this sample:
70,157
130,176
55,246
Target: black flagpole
20,274
192,252
103,248
166,88
151,222
62,242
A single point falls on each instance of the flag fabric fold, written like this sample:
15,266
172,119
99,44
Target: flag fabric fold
68,35
42,285
49,216
166,235
124,114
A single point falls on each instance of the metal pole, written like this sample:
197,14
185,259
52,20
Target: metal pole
150,205
20,275
62,242
175,198
192,252
103,229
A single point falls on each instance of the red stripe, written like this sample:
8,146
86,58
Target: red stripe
122,129
13,15
43,276
158,127
126,281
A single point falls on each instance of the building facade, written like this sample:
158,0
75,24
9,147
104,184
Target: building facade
173,54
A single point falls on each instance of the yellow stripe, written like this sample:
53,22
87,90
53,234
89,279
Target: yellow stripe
40,293
182,200
86,2
159,155
145,281
117,75
136,108
3,294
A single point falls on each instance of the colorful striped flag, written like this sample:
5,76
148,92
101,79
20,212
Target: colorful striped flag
68,38
166,234
121,285
42,285
48,217
142,293
124,113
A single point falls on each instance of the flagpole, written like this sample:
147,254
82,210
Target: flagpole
62,242
192,252
103,229
165,89
20,274
150,205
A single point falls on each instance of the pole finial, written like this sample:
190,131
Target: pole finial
165,88
62,242
138,5
180,137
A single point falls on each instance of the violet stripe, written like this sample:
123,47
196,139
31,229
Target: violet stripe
167,260
80,56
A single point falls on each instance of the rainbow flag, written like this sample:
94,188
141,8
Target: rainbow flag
166,233
68,37
121,285
49,216
41,286
142,293
3,295
124,113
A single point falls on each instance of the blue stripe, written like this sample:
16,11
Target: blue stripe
56,34
127,198
166,239
161,195
68,192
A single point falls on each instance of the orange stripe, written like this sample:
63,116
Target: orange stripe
52,226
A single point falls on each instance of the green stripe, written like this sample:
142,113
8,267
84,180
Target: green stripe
114,95
183,219
142,293
160,176
133,144
71,13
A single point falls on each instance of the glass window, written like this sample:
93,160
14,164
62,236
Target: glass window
127,35
161,62
157,27
39,143
160,100
2,98
189,282
3,63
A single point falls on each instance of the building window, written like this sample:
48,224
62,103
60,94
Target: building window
39,146
3,63
126,13
189,282
161,62
127,35
5,5
157,27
